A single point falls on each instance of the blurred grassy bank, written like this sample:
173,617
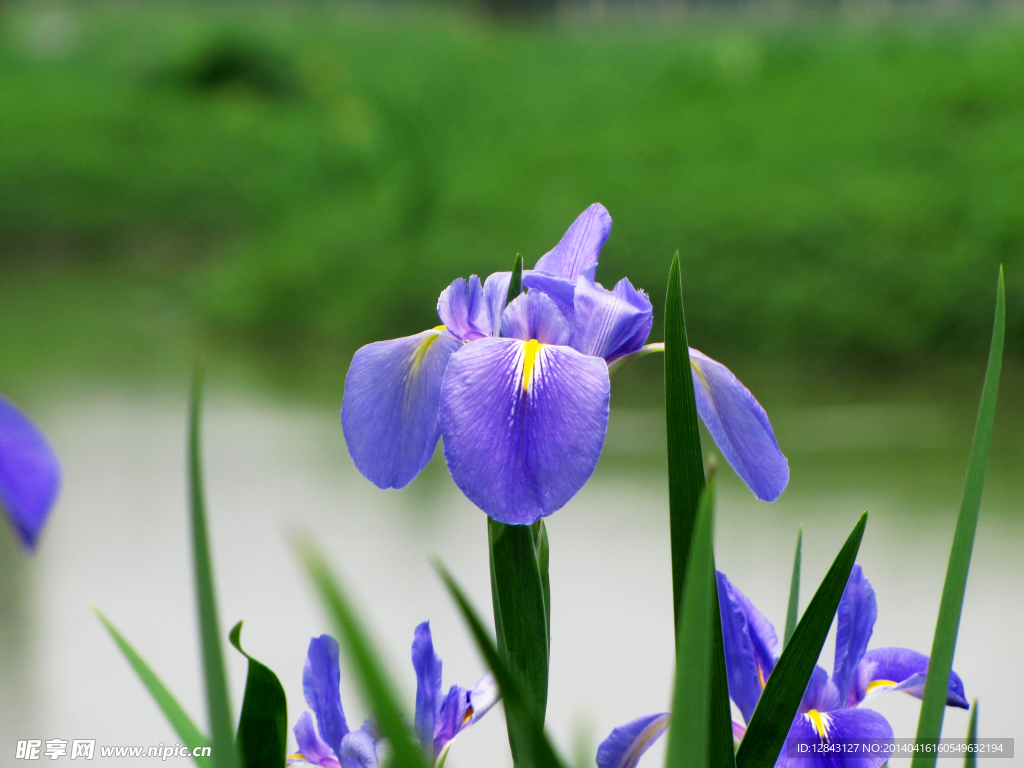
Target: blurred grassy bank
322,171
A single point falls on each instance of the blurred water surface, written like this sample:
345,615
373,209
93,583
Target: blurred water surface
118,540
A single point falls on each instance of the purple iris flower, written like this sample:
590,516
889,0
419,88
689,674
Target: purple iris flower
29,474
520,393
330,744
828,711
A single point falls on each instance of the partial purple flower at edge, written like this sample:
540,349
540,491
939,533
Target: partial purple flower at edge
29,474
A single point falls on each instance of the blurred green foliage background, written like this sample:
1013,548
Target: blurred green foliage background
836,187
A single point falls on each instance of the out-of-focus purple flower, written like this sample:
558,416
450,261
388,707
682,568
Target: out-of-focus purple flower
520,393
828,709
29,474
330,744
440,717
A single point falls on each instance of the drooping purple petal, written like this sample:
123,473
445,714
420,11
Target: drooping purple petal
533,315
561,290
865,728
523,425
428,684
627,743
821,693
321,678
358,750
29,473
391,414
751,646
739,426
899,669
454,716
610,324
856,621
577,252
464,311
495,294
311,747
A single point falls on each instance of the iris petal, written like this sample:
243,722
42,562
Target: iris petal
390,414
321,678
533,315
29,473
452,718
312,747
821,693
561,290
610,324
739,426
627,743
464,311
863,726
483,696
899,669
358,750
428,684
523,425
855,623
495,295
751,646
577,252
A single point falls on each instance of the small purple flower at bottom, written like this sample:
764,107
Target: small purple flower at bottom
29,474
828,711
330,744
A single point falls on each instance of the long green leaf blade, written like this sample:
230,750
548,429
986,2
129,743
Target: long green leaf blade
689,742
536,750
780,700
794,590
720,738
376,687
218,706
929,725
180,721
685,460
971,758
263,724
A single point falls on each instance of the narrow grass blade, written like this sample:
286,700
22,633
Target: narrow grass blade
971,758
774,714
515,286
540,540
929,725
179,720
685,460
376,688
535,749
794,590
218,706
688,736
263,724
720,739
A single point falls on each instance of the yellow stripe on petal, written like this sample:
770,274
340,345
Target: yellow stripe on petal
422,350
530,352
820,722
874,685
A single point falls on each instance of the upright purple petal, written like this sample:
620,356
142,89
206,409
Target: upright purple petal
495,294
821,693
454,716
321,679
464,311
751,646
739,426
390,414
864,727
428,684
560,290
627,743
312,748
358,750
523,425
610,324
29,473
856,621
899,669
577,252
533,315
